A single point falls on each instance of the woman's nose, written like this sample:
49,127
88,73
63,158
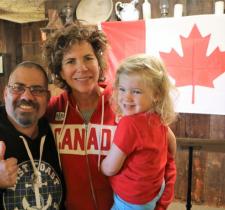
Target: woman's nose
81,66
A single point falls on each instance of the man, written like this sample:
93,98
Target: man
30,175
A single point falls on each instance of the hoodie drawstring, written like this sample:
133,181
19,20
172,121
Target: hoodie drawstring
87,129
37,174
99,154
100,135
60,134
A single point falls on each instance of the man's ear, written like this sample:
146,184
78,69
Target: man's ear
5,93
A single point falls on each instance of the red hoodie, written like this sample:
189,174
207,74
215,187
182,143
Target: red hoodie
80,166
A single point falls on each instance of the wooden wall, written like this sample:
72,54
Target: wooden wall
208,167
10,36
23,42
19,42
31,41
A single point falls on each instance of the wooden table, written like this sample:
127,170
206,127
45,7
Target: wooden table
211,145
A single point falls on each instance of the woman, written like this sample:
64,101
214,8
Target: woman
81,118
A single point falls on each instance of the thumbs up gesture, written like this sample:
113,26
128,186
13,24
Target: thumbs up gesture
8,168
2,150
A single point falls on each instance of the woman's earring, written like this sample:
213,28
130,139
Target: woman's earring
101,76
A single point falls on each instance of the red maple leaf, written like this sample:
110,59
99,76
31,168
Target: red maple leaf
195,67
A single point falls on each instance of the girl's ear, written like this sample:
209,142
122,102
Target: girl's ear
156,98
157,95
5,93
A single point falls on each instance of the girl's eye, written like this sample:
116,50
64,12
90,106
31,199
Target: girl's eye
137,92
121,89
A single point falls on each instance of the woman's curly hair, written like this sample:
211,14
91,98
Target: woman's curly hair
61,41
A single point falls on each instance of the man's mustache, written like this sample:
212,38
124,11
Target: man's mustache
33,104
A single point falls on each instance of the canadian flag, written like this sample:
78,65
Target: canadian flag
192,48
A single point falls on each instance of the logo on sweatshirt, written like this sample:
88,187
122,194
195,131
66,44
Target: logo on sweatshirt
34,192
59,116
71,138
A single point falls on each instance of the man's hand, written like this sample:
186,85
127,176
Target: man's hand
8,169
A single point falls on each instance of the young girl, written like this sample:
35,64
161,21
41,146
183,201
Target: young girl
139,154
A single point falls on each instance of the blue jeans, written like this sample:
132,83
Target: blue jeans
120,204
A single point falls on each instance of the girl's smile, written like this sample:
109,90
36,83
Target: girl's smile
133,95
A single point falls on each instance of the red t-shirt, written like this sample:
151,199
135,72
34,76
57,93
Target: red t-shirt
143,138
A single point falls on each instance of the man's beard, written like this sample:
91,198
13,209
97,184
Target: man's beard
25,119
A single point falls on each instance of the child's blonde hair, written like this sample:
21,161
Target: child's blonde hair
154,75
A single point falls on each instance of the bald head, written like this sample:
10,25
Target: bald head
30,65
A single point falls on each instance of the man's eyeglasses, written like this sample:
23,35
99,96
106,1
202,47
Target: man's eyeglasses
35,90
